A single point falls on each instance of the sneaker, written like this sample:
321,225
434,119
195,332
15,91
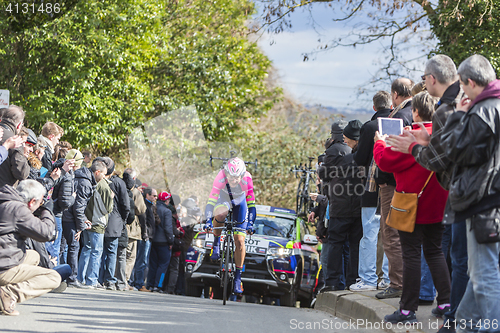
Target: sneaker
97,286
382,285
78,284
398,317
8,304
361,286
215,253
389,293
110,286
438,312
62,287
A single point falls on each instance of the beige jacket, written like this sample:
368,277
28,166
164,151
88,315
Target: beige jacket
134,229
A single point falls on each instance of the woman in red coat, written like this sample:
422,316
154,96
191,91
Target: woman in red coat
410,178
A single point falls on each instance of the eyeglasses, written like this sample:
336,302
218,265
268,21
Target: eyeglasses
155,196
423,76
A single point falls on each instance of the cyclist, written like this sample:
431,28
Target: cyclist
232,189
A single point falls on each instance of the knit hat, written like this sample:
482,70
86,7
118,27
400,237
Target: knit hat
76,155
352,129
338,127
164,196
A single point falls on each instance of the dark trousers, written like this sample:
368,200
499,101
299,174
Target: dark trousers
180,288
69,232
428,237
459,257
159,259
173,274
341,230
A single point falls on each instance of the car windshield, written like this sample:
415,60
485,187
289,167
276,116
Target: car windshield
269,225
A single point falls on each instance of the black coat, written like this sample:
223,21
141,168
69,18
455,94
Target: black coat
63,193
15,167
364,154
83,185
121,208
472,144
148,225
344,182
47,160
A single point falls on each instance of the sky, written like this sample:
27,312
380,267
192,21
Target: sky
332,78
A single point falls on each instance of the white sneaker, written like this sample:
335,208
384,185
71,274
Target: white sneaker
383,285
361,286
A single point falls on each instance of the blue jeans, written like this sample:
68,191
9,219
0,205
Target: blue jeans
141,262
69,231
159,259
481,301
90,257
108,261
368,248
64,271
54,247
459,277
427,290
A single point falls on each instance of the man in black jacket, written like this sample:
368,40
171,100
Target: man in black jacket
15,167
369,201
74,220
20,277
344,192
116,224
472,145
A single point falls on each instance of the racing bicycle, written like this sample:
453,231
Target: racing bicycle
304,201
226,260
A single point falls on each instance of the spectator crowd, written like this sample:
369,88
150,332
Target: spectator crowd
447,160
69,220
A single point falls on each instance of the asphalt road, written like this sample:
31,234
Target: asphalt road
112,311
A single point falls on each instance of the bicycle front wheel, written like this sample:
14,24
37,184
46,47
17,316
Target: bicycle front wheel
227,263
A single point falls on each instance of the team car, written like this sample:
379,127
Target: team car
281,259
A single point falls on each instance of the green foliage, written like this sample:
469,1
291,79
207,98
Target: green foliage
105,67
467,27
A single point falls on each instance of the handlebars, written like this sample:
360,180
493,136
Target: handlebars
225,159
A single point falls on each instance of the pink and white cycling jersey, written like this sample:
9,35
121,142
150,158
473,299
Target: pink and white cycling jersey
243,190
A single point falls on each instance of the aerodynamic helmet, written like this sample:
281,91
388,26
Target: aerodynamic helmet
235,167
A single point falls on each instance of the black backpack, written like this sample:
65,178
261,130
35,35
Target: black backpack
131,215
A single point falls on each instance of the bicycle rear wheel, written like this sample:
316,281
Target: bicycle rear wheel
300,197
227,263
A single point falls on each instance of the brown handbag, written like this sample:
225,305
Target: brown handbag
403,212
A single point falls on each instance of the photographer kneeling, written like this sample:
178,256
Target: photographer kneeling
21,216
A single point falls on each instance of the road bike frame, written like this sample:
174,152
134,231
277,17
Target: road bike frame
227,267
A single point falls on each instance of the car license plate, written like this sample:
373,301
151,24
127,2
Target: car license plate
256,245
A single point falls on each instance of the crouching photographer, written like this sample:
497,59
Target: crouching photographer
20,277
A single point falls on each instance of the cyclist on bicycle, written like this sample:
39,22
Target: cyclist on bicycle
233,182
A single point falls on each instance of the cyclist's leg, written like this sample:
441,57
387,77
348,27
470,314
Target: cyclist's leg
220,212
239,216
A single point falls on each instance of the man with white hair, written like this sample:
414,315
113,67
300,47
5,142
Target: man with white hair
22,216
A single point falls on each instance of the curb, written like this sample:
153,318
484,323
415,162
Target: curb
366,312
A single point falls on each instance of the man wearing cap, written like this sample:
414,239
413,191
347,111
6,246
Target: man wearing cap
15,167
345,189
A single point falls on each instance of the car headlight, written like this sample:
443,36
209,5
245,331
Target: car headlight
279,251
198,245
